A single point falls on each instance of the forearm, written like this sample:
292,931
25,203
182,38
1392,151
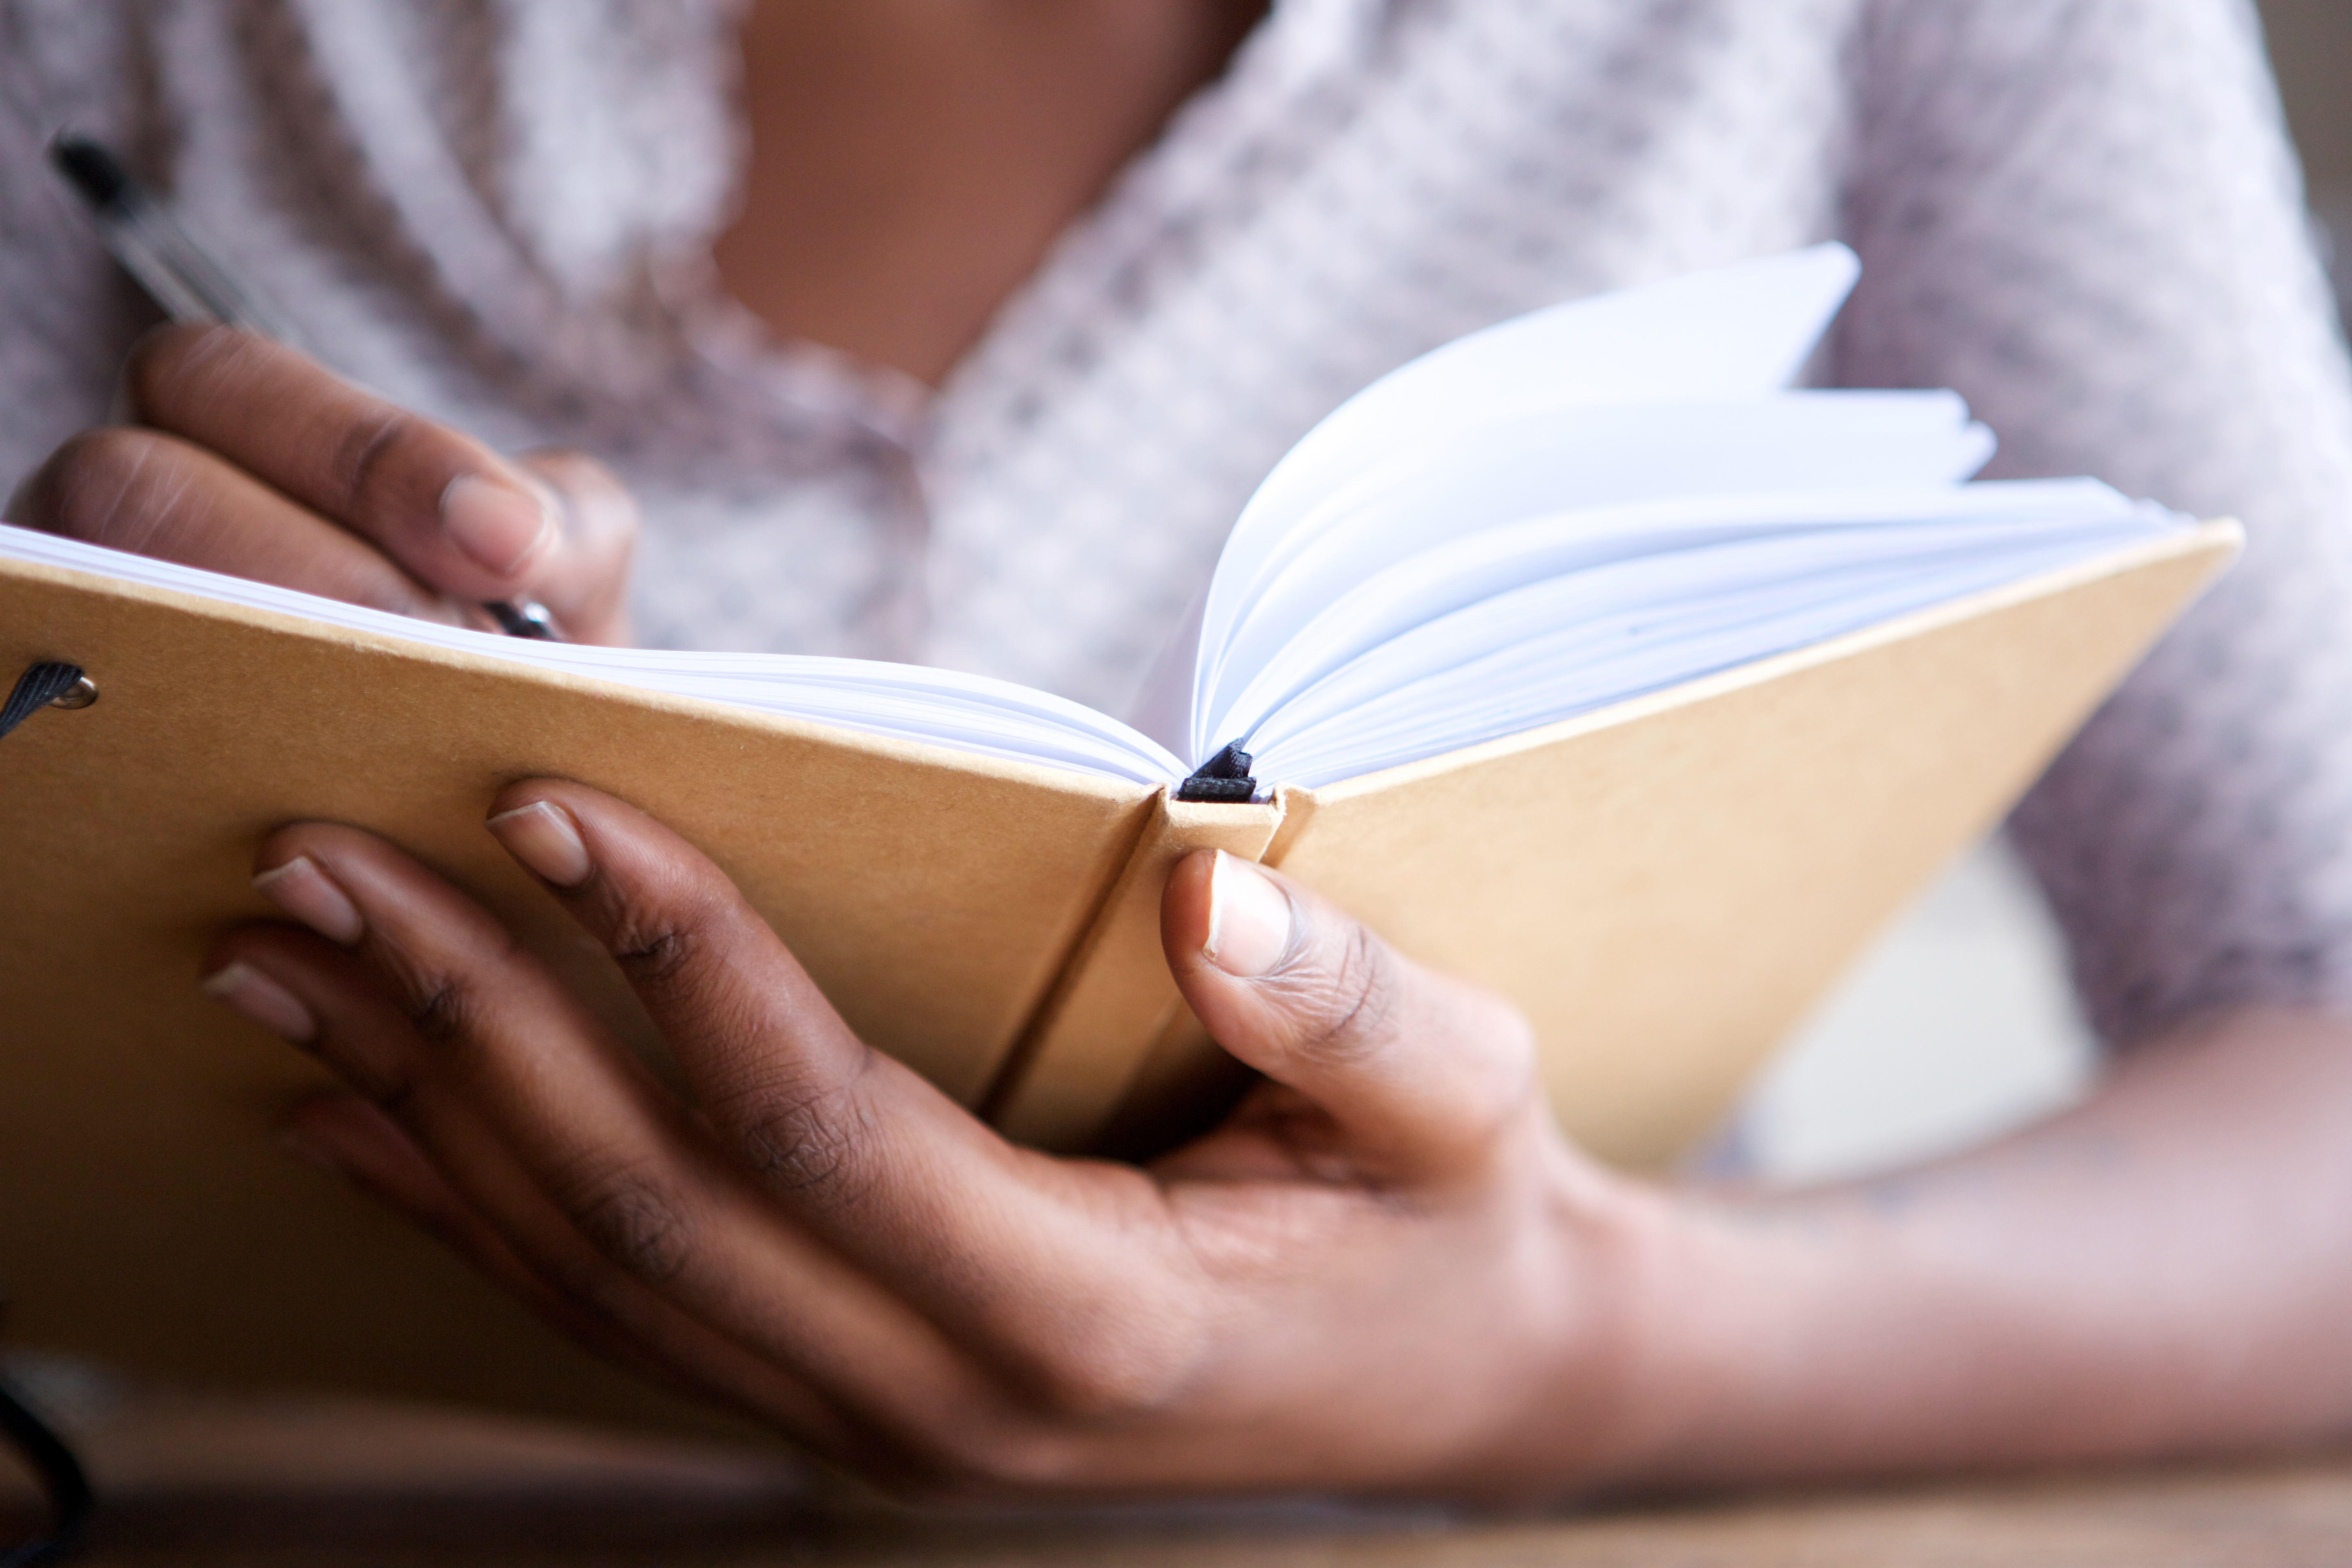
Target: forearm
2164,1270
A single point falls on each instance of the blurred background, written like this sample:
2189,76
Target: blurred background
1961,1021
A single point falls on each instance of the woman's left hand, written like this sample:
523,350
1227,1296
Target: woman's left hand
1387,1271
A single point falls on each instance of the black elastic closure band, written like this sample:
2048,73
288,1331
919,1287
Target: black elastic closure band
40,685
1223,779
63,1480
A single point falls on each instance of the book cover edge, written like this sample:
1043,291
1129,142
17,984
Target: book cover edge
2222,539
1123,792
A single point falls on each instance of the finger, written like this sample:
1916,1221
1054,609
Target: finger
450,510
472,1197
351,1139
866,1154
156,495
584,580
347,1136
1417,1072
472,1040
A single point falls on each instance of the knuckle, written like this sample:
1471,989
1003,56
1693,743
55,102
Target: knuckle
1512,1036
1506,1039
1107,1348
1040,1426
654,951
1497,1075
1359,998
1110,1372
440,1010
673,940
660,936
362,457
443,1000
85,485
1511,1044
810,1142
974,1457
162,364
629,1216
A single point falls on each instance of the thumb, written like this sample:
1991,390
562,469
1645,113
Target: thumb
1421,1071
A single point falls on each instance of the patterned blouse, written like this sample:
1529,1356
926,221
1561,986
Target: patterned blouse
2082,213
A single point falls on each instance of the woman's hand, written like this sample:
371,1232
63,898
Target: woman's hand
248,458
1387,1271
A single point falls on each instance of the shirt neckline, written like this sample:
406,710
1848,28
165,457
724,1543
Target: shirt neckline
1296,47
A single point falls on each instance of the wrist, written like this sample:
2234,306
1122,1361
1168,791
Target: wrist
1622,1367
1711,1350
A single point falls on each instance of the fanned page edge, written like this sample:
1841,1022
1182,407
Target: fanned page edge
922,753
1814,281
2221,538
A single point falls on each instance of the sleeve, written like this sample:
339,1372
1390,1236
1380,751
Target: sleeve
2083,216
66,315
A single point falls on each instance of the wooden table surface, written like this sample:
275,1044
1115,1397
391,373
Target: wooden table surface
280,1482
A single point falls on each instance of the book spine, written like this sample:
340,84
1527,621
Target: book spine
1115,999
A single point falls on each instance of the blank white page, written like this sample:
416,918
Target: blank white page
1540,464
1453,601
1615,645
1736,331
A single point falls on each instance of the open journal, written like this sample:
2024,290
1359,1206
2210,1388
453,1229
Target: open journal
1581,657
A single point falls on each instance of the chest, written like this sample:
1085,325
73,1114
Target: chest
910,163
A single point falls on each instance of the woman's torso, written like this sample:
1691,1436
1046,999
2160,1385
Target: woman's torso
2080,213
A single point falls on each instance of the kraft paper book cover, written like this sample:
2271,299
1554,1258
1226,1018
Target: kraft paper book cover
1580,658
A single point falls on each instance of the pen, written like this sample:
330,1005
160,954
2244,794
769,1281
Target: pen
191,285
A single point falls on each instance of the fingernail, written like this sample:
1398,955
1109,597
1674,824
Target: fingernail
544,836
498,526
1249,918
309,1150
310,896
246,990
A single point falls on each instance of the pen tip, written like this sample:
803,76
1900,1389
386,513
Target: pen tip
93,171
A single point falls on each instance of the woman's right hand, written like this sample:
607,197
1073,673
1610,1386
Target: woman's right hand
249,459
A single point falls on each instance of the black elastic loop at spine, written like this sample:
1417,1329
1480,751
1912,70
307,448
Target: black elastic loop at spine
40,685
63,1480
1223,778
